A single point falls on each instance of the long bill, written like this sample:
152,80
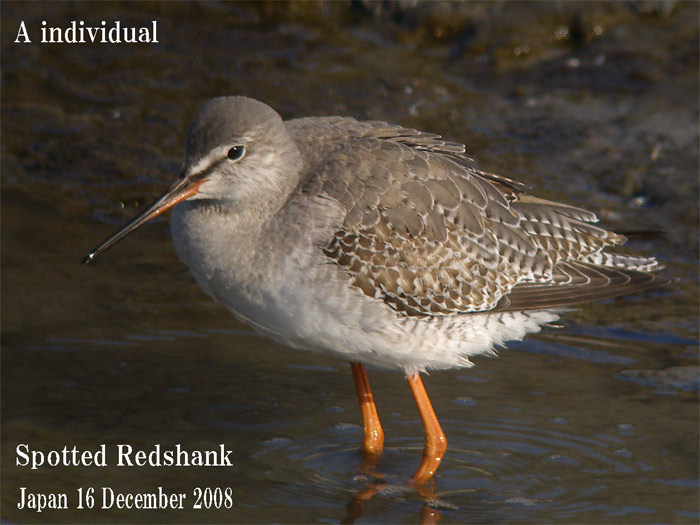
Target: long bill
178,192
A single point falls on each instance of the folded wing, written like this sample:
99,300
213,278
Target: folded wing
429,234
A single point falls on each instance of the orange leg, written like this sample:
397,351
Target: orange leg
373,442
435,441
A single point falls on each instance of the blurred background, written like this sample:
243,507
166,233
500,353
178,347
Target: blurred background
594,104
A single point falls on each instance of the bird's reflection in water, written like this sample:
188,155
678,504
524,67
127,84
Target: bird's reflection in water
368,470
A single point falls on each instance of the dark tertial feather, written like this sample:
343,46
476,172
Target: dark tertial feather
586,283
646,233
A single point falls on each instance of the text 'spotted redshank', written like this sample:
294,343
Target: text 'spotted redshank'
380,244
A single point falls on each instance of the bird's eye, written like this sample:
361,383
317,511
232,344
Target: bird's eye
236,152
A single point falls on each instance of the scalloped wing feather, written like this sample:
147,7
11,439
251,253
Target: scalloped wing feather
428,234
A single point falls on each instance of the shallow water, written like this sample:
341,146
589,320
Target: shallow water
594,421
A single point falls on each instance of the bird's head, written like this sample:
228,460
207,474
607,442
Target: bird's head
238,154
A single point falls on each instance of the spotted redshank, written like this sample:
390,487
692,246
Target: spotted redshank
377,243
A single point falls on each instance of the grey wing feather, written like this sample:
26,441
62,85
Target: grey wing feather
430,235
